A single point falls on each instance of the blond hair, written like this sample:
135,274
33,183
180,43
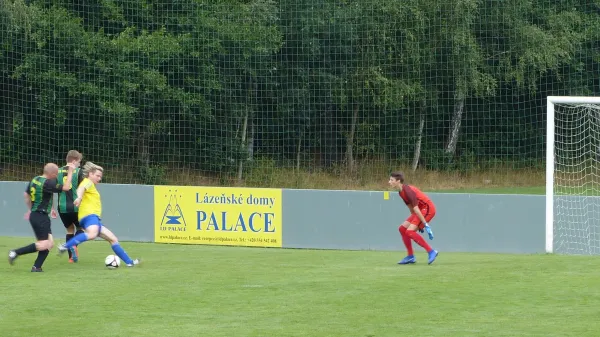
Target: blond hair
90,167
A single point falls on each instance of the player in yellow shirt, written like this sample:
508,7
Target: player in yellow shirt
90,214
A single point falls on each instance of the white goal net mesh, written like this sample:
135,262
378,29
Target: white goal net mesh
576,178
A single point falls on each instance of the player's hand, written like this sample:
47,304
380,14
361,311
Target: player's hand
429,231
53,214
77,202
421,230
26,216
71,166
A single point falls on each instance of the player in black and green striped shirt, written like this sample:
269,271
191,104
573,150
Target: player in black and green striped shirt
66,209
39,195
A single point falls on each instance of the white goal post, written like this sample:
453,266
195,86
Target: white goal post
572,151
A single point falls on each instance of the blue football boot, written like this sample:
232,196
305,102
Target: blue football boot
432,256
408,260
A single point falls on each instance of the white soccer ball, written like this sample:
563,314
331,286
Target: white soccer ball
112,262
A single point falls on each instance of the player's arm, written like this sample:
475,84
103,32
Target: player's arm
67,186
54,186
27,197
80,191
413,203
415,210
406,202
27,200
53,213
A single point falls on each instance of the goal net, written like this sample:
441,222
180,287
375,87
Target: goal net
573,175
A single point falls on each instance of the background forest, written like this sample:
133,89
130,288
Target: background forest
303,93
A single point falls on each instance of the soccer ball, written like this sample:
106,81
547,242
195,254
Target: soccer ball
112,262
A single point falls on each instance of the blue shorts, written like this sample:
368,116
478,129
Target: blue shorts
91,220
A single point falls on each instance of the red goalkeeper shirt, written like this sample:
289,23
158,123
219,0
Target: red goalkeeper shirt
414,197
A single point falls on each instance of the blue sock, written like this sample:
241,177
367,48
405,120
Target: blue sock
77,239
121,253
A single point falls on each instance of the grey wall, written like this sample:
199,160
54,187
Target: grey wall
12,209
364,220
334,219
127,210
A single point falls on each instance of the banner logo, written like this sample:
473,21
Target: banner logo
173,217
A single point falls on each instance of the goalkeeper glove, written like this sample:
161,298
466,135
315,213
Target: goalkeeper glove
429,231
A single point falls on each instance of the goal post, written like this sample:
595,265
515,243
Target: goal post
573,141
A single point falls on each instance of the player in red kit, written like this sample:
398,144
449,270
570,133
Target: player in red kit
422,211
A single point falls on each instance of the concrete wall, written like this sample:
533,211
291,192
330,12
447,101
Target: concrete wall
364,220
334,219
127,211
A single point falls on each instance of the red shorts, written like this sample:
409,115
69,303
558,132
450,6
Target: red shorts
428,213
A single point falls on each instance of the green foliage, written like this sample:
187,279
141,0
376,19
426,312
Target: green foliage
439,160
260,170
320,84
152,175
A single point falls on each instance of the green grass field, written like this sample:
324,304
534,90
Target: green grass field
233,291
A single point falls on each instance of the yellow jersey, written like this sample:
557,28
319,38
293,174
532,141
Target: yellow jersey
90,201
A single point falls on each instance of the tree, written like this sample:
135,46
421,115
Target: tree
460,64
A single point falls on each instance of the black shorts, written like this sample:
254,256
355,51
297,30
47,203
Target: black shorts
70,218
40,222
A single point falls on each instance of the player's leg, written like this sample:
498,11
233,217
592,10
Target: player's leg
405,239
69,236
67,221
91,224
429,215
411,231
43,247
74,251
109,236
13,254
410,257
36,221
78,230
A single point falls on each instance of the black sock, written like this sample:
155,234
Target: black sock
26,249
42,255
69,237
